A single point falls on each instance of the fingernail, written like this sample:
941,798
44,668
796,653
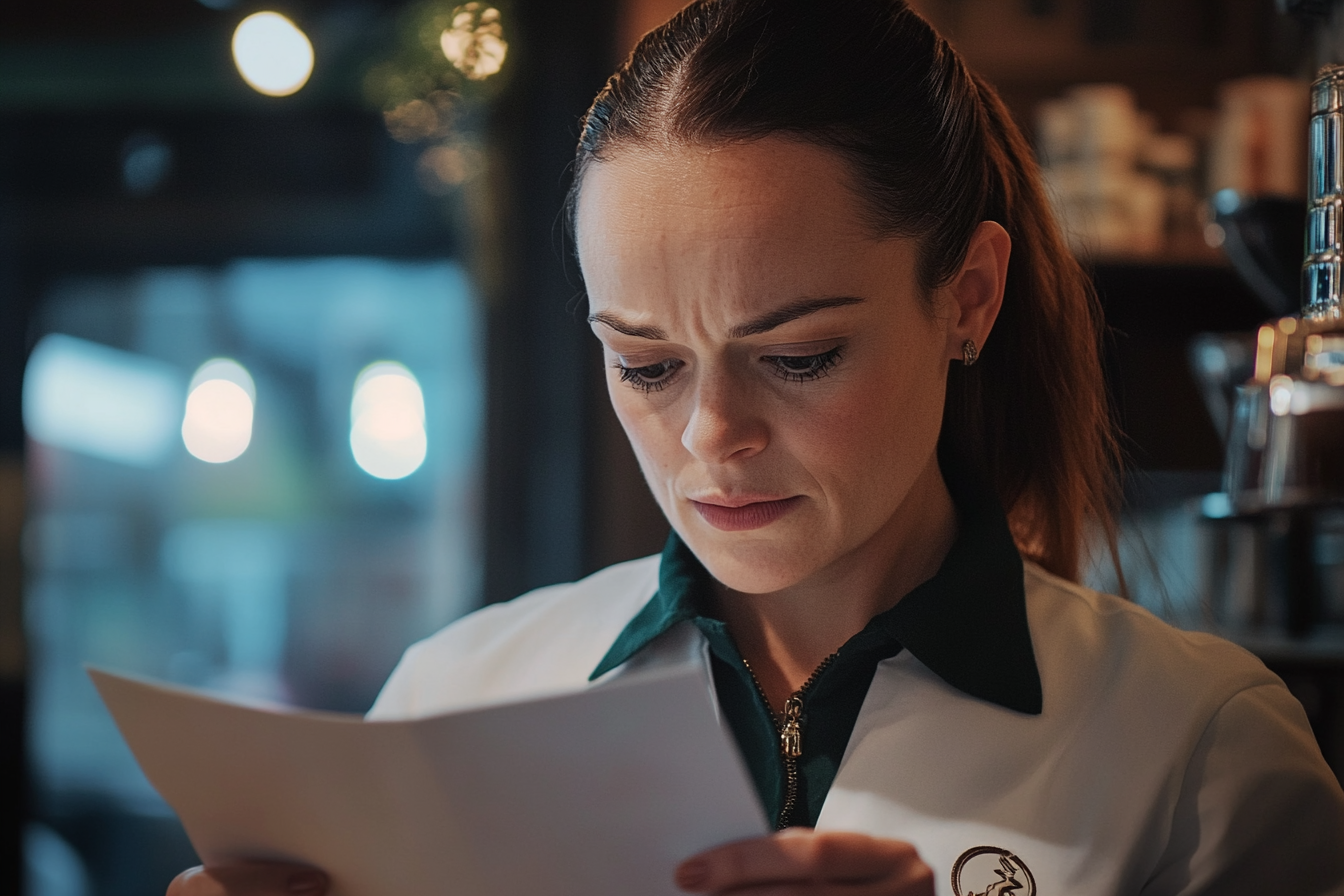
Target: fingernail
306,882
693,874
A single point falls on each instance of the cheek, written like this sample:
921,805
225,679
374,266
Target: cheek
650,429
878,433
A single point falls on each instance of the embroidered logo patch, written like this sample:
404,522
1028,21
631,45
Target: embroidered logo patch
990,871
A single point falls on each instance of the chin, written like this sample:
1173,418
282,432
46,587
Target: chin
753,569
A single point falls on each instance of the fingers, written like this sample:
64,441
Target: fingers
250,879
801,861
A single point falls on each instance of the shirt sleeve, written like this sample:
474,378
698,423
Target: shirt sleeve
1259,811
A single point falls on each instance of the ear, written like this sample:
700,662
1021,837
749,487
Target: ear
974,296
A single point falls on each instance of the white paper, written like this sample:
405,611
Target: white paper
601,792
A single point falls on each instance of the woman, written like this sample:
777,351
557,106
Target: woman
878,439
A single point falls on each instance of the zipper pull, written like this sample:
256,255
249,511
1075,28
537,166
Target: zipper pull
791,735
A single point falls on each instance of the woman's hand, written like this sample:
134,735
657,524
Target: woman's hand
803,862
250,879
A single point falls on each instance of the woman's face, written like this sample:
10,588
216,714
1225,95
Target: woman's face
776,367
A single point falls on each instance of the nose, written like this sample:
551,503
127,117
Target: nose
725,423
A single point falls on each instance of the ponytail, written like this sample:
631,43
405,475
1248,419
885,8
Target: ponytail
1032,417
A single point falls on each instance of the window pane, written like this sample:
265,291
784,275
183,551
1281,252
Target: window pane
214,502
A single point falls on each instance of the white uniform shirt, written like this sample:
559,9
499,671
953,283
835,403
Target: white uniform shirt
1160,762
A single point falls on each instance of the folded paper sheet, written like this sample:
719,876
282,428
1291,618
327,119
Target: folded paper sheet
595,793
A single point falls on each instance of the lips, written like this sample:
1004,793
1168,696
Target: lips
742,517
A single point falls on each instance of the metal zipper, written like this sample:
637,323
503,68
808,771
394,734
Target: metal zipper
790,731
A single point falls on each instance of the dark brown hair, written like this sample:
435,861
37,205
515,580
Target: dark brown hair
935,152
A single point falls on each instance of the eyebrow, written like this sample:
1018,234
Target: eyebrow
763,324
789,312
628,329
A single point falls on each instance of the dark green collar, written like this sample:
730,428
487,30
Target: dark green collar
681,578
968,623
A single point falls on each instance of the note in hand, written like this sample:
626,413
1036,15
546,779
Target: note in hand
600,792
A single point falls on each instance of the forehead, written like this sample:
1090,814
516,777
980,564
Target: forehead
772,188
719,234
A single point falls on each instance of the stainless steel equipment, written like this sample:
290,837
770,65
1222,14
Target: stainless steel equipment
1286,439
1322,286
1284,465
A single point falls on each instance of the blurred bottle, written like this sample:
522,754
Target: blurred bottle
1258,146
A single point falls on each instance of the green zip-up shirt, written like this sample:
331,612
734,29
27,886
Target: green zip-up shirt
968,624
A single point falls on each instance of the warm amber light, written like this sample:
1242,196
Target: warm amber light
475,43
272,54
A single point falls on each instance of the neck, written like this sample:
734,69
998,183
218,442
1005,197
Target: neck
786,634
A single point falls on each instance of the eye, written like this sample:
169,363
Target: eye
651,377
800,368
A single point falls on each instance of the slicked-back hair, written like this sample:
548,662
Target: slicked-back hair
934,152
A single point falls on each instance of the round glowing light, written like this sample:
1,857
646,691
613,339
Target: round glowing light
272,54
387,421
1281,395
217,425
475,43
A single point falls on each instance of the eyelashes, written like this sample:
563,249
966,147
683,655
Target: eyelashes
651,377
801,368
792,368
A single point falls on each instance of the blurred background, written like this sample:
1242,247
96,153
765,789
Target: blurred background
294,368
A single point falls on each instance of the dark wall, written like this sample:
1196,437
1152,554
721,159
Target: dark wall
549,484
1153,311
13,683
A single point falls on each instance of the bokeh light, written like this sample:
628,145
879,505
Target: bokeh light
416,120
100,401
1281,395
475,43
272,54
217,424
445,166
146,162
387,421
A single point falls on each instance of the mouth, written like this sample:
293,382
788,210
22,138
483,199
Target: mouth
742,517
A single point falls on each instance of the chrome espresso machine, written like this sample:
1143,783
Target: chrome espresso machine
1284,468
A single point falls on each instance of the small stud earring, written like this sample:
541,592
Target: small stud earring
968,353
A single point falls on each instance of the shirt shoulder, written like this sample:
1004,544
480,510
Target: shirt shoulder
546,641
1162,762
1089,645
1246,795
